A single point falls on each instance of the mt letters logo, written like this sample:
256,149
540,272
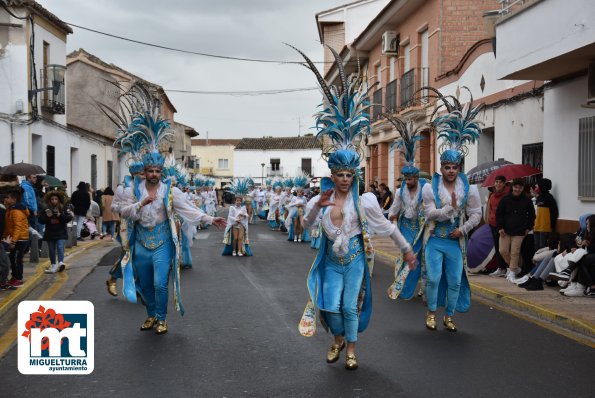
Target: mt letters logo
56,337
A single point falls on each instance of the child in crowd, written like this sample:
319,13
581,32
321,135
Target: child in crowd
4,261
55,218
16,228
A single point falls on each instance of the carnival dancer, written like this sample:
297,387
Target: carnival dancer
153,205
295,219
210,198
448,200
285,201
339,280
407,210
235,238
131,145
274,205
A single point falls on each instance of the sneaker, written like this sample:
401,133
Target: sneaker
295,239
535,286
563,283
527,283
578,291
563,275
511,275
590,292
571,286
240,254
61,267
52,269
16,282
7,286
499,272
234,254
518,281
299,239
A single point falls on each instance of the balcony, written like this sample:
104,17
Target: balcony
390,105
276,171
52,81
205,170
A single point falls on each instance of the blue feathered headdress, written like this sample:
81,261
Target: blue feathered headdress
407,143
240,186
277,184
343,118
458,128
288,183
268,182
199,181
301,181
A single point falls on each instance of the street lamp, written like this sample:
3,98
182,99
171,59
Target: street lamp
262,175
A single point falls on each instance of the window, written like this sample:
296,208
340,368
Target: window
586,158
223,164
110,171
94,171
378,75
533,155
50,157
275,164
307,165
391,71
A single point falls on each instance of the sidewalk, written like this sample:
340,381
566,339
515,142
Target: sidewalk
33,274
571,314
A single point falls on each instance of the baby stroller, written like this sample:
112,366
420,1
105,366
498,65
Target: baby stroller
89,228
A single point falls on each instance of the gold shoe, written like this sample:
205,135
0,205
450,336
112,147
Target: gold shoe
334,352
111,287
149,323
161,327
431,321
449,324
350,362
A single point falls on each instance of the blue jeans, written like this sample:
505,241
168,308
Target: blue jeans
79,224
341,287
108,227
56,246
443,255
152,272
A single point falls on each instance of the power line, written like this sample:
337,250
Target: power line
244,93
193,52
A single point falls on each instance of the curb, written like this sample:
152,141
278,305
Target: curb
36,279
525,308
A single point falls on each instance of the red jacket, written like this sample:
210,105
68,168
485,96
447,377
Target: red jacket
493,202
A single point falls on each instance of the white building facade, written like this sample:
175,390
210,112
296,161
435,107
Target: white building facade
262,158
559,48
33,111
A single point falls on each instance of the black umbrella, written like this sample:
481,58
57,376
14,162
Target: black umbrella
22,169
479,173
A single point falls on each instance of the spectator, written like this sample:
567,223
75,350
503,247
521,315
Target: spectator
55,218
30,200
386,199
374,190
219,196
500,190
81,201
4,261
109,218
542,272
16,228
546,214
515,216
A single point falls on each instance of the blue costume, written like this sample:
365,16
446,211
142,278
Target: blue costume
237,221
445,256
296,208
339,279
408,210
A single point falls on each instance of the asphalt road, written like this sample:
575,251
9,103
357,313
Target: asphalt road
239,338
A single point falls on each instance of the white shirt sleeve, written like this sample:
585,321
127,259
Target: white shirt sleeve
189,213
312,212
129,207
473,210
379,225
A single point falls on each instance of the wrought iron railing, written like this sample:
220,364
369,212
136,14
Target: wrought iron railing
52,99
407,88
390,105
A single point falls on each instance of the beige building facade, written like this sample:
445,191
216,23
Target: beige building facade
214,158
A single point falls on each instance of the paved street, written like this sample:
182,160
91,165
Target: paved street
239,338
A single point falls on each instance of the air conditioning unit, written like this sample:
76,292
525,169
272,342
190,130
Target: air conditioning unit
390,42
591,84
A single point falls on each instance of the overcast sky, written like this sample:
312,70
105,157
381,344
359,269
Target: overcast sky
240,28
